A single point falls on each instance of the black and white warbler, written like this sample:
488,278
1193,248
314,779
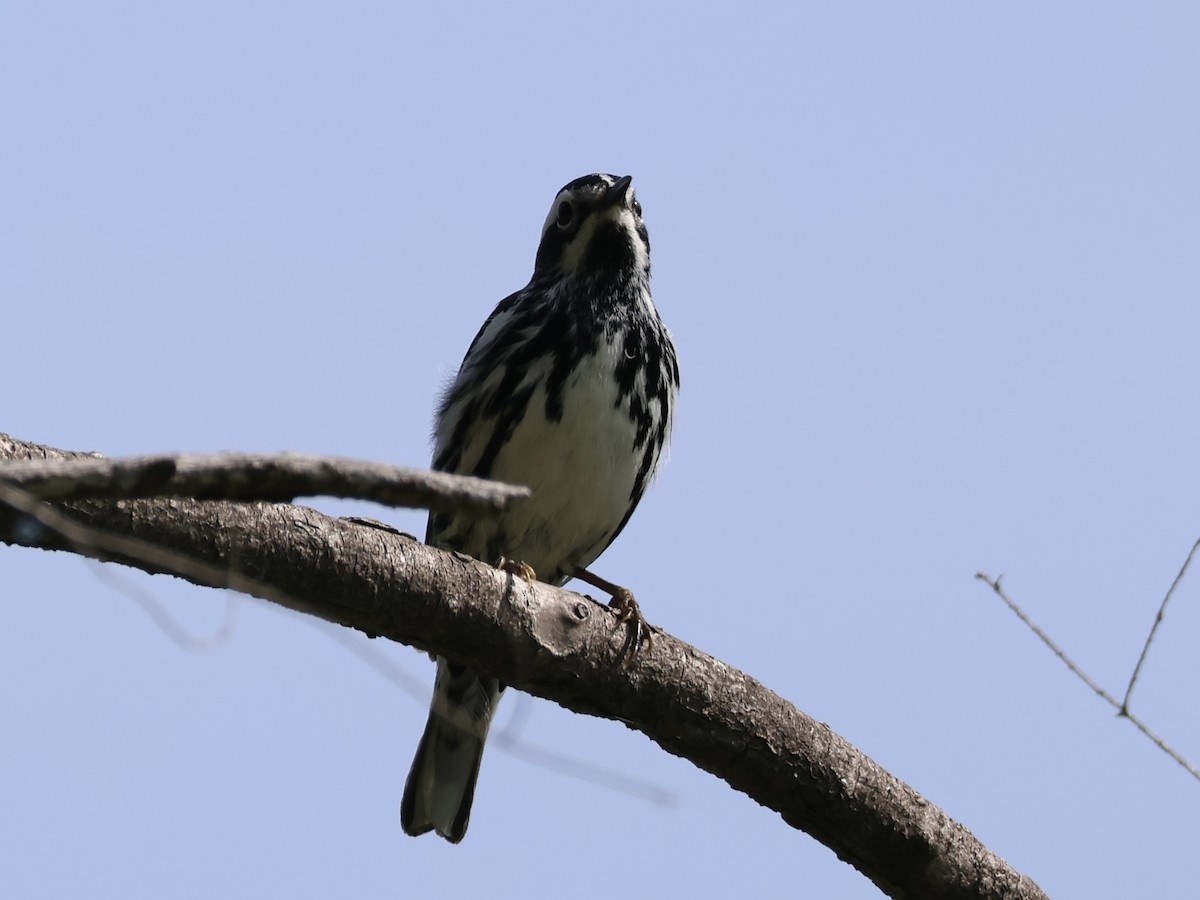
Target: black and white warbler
569,388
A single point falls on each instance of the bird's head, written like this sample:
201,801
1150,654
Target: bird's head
594,231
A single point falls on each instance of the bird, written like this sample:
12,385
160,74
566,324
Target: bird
569,388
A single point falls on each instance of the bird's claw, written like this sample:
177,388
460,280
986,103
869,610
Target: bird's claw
518,568
638,630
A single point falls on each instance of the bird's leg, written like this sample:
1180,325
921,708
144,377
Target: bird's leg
521,569
627,611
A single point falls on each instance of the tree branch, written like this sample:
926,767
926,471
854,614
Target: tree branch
557,645
276,477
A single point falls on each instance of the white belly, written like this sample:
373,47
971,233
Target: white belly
581,470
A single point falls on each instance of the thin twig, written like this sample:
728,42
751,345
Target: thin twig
271,477
1154,628
1122,711
994,584
1162,745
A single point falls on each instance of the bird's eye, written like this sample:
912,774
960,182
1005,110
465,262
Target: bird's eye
566,212
637,209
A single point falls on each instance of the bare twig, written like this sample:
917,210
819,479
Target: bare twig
1161,744
1122,710
994,584
277,477
1154,628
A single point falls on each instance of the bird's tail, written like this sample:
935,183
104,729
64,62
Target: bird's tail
441,783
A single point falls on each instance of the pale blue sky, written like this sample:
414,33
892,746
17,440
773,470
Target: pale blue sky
932,270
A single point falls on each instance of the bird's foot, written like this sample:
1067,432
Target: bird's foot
637,630
520,569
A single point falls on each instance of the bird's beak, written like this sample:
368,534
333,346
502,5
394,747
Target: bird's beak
616,194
